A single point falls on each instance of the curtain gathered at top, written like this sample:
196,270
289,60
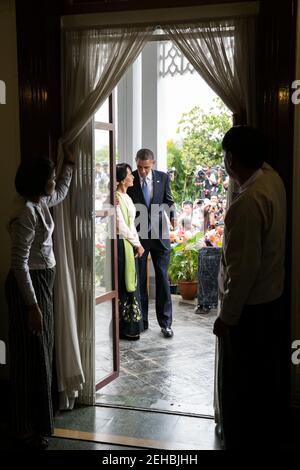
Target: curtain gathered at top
223,53
93,62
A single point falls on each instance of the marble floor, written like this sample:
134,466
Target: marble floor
163,398
173,375
104,428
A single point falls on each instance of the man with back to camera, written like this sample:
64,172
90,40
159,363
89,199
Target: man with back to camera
251,281
151,189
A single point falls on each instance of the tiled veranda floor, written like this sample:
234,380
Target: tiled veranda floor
174,374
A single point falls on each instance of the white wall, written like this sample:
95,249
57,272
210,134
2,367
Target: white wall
9,146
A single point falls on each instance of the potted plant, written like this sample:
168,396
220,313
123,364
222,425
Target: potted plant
183,267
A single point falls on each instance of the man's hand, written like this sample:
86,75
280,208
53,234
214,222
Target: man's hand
35,320
220,328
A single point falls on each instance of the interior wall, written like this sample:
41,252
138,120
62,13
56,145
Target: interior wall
276,70
38,41
9,146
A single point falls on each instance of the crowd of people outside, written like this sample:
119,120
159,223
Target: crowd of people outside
206,213
102,179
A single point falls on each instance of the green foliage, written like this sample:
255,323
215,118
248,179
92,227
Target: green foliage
204,134
102,155
184,260
174,159
201,146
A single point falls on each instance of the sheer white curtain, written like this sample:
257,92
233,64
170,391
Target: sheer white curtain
93,61
223,53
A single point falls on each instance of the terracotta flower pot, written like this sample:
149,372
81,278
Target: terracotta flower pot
188,289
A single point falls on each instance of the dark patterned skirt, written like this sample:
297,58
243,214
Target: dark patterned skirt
30,356
131,322
208,262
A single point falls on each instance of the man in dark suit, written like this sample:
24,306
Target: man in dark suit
153,199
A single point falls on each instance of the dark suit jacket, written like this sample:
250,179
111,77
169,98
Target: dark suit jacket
161,200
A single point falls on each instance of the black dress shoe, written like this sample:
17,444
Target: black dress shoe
167,332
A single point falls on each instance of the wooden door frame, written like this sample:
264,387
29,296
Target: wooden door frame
38,37
113,294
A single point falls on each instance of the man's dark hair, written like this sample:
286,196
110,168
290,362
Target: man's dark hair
122,171
32,176
247,145
144,154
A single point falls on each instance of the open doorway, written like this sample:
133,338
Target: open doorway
168,375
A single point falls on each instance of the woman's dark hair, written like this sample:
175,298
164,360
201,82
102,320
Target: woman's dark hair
32,176
247,145
122,171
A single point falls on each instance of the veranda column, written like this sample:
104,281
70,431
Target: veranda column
149,118
129,104
149,98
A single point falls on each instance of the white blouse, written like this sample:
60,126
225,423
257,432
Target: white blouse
123,230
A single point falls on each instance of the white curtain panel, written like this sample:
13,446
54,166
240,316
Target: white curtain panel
222,52
93,62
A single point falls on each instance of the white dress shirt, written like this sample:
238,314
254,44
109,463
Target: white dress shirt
252,263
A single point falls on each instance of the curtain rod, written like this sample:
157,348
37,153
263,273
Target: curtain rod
155,25
157,17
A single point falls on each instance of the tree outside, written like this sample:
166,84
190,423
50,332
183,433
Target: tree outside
200,147
102,155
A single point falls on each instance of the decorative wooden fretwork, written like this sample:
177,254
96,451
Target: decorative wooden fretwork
172,61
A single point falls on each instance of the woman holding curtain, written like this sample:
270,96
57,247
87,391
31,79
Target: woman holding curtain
129,247
29,287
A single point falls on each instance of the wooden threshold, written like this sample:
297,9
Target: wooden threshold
120,440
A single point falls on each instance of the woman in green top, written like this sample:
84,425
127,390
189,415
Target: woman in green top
129,248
